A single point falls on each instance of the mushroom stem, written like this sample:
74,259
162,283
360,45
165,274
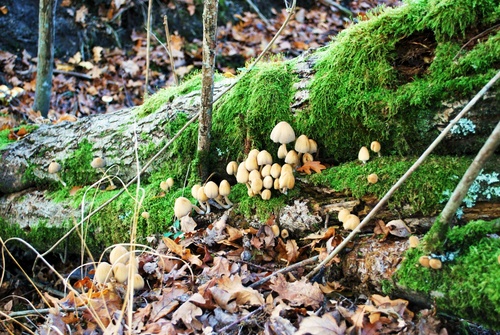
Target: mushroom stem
198,210
219,201
228,201
58,177
208,207
108,177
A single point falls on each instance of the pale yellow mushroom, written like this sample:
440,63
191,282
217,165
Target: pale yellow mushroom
266,194
103,273
364,154
54,168
282,133
232,168
372,178
351,222
224,190
375,147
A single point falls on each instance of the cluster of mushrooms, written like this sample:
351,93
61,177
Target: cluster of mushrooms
260,174
425,261
120,266
203,194
98,163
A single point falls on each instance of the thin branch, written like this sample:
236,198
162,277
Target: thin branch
401,180
481,34
256,9
240,320
74,74
169,45
341,8
148,46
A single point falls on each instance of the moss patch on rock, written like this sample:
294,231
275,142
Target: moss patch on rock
467,285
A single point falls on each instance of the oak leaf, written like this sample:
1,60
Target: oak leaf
188,312
299,293
181,251
325,325
316,166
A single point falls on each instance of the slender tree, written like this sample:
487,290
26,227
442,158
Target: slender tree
207,86
46,32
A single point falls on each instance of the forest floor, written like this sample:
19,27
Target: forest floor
191,291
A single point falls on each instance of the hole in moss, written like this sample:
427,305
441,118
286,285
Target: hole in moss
414,55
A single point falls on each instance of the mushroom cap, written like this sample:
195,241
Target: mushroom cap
211,190
343,213
266,195
251,163
103,273
264,157
98,163
313,146
413,240
284,233
119,254
282,133
256,185
145,215
268,182
138,282
201,195
292,158
282,151
286,168
224,188
307,157
424,261
372,178
287,180
351,222
120,272
194,190
254,174
242,174
375,146
253,153
54,167
164,185
302,144
363,154
276,184
275,170
170,182
232,168
266,170
435,263
182,207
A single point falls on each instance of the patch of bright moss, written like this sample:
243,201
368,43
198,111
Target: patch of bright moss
4,134
359,94
423,190
468,285
245,116
76,169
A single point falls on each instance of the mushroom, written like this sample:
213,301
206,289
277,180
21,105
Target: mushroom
120,272
286,168
286,182
351,221
313,146
276,230
282,133
183,207
103,273
424,261
268,182
167,184
413,240
275,170
232,168
242,174
266,170
282,151
266,194
256,185
253,153
292,158
251,163
375,147
363,154
202,198
99,163
212,192
284,234
372,178
343,213
302,145
435,263
119,254
264,158
137,282
54,168
254,174
307,157
224,190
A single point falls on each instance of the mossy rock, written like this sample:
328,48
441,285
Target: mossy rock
468,283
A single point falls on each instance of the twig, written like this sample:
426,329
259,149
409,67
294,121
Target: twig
43,311
481,34
401,180
256,9
341,8
284,270
169,45
74,74
148,46
249,315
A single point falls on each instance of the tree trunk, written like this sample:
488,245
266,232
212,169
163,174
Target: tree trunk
46,32
207,88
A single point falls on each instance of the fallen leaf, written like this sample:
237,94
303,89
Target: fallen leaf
188,312
298,293
325,325
398,228
181,251
316,166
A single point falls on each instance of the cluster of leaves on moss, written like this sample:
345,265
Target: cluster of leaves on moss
468,285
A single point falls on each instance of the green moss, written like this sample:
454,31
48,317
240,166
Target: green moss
4,134
422,191
360,93
76,169
245,116
466,286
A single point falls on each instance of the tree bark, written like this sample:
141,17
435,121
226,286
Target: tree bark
207,88
46,33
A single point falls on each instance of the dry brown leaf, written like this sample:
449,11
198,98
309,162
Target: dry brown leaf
188,312
325,325
219,269
240,294
316,166
181,251
167,302
299,293
292,251
188,225
398,228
